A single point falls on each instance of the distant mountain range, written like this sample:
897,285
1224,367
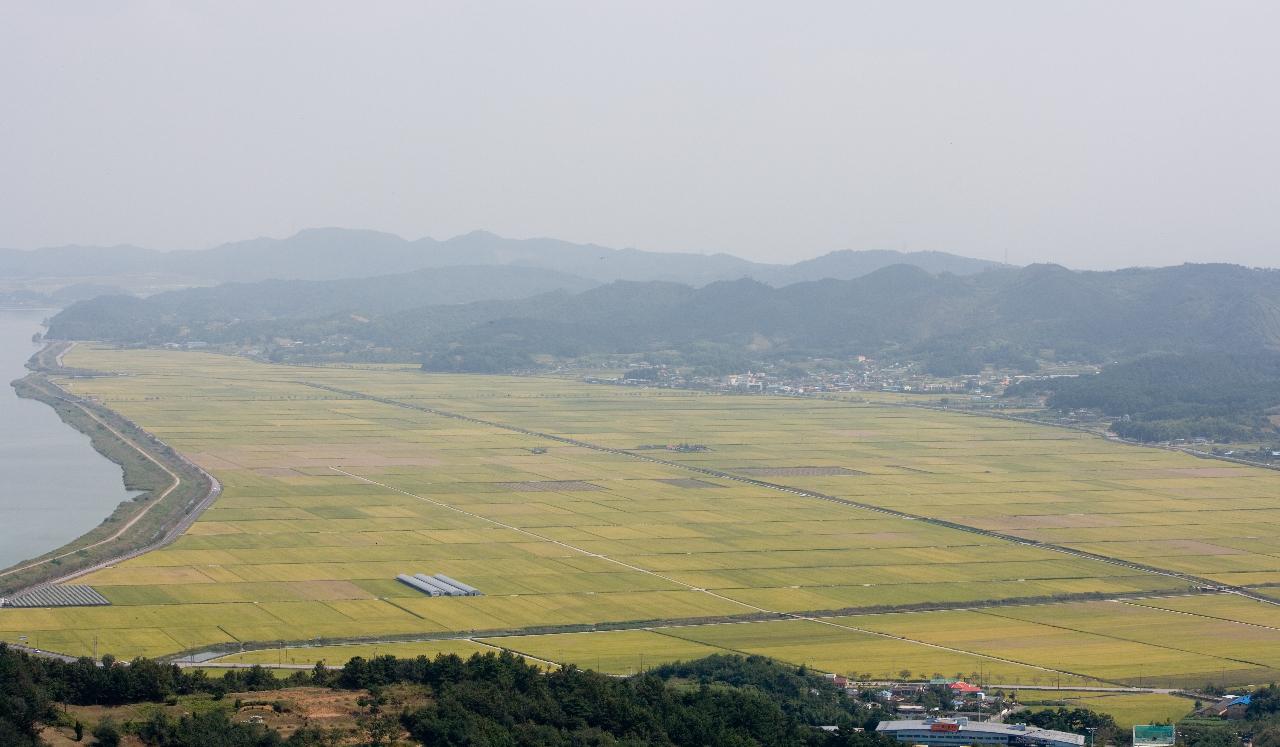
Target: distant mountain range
951,323
1197,345
334,253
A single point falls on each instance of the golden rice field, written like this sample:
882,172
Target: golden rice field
1126,708
328,496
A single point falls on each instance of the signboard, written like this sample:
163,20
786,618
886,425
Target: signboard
944,726
1153,735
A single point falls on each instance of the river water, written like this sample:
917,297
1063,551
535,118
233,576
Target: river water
53,486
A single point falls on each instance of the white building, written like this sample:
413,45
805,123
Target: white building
961,732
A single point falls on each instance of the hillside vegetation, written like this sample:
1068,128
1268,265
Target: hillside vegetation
487,699
949,323
1165,397
200,313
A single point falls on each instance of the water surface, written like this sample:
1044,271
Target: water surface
53,486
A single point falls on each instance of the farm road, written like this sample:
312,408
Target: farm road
1191,579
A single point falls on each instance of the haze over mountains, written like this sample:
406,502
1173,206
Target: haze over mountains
481,303
953,324
334,253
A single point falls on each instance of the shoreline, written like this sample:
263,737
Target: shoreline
175,490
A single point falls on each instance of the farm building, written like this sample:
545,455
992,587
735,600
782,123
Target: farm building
962,731
1235,708
964,688
438,585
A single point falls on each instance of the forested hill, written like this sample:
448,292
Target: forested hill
335,253
953,324
1225,397
489,699
159,317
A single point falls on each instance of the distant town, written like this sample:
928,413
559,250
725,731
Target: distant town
983,392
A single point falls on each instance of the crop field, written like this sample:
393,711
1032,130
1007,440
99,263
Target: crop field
1065,644
1126,708
1117,642
1211,519
337,479
615,652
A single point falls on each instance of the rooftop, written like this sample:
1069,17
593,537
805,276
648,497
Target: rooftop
986,727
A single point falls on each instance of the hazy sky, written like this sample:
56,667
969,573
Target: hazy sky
1094,134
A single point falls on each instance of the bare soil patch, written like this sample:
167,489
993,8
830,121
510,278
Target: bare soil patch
334,710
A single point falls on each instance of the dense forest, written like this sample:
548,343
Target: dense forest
490,699
499,700
1226,397
949,324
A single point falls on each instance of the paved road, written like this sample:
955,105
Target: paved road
41,653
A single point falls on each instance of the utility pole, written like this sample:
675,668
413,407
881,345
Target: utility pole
1092,738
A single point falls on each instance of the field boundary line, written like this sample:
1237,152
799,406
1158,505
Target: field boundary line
1122,638
1195,614
391,602
802,492
903,639
516,651
781,615
654,625
1067,426
544,538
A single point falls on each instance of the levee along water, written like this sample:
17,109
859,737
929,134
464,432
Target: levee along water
54,486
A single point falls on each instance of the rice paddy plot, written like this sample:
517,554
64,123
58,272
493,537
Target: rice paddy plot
1041,635
864,655
328,496
1041,483
1126,708
1219,606
1234,644
613,652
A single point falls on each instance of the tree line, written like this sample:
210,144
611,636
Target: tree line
1218,396
488,699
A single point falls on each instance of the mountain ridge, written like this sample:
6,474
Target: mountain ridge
334,253
952,324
